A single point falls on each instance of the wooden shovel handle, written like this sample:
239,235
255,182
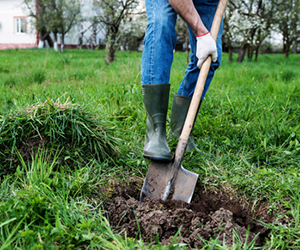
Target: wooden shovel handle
191,116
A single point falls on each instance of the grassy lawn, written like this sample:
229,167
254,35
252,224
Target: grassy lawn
84,121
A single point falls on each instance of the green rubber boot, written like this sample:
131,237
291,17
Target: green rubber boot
156,100
180,108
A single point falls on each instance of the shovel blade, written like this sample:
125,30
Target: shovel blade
157,178
184,185
160,177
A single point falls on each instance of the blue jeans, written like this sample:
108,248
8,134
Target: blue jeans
160,40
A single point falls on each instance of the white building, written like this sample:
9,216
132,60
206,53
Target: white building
17,30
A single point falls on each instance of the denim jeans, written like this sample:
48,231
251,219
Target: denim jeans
160,40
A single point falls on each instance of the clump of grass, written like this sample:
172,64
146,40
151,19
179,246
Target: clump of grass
79,135
78,75
64,60
39,76
4,69
288,75
10,81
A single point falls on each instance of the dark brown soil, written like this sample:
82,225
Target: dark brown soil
29,148
209,215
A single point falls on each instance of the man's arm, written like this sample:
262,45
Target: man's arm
206,45
186,9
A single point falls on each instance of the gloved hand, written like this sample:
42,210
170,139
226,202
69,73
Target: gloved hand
206,46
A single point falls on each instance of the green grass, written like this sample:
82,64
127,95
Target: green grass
248,126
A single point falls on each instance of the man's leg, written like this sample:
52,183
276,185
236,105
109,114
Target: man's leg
160,41
206,10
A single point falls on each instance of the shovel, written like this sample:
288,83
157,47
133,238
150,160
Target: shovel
172,179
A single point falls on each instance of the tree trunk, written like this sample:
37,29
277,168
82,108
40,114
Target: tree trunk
229,46
295,34
287,48
251,47
256,52
229,54
94,36
44,35
295,46
242,53
62,43
245,45
49,40
80,41
259,41
55,42
110,53
250,53
41,42
110,49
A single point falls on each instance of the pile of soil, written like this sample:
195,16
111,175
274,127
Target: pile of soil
209,215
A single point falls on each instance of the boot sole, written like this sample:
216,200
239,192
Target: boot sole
154,158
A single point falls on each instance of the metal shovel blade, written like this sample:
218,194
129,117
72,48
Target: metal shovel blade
184,185
159,180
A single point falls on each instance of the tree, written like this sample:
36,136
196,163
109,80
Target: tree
38,10
288,21
65,13
228,35
248,23
132,31
252,11
112,13
57,16
266,15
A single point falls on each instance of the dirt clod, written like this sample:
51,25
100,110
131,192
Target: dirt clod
209,215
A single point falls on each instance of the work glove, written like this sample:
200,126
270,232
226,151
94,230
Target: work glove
206,46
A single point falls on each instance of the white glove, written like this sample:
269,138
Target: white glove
206,46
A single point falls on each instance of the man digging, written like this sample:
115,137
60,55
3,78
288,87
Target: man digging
160,40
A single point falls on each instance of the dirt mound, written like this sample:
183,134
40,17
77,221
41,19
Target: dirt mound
209,215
